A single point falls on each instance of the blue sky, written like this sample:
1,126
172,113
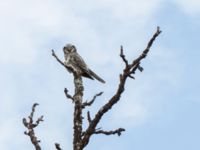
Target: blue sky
160,109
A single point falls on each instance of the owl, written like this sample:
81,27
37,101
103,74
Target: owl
75,63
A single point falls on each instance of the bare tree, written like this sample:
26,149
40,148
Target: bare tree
81,138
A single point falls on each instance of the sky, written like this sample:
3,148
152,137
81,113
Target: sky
159,109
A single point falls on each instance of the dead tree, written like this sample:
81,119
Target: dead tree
81,138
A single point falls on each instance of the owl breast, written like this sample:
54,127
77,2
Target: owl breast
71,66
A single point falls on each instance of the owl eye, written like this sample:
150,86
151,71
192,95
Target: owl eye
73,48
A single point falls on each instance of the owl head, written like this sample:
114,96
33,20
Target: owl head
69,48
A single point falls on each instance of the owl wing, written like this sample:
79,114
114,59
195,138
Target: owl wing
78,61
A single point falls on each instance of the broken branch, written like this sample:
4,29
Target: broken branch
68,95
57,145
117,131
92,101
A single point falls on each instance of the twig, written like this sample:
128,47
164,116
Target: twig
68,95
146,50
92,101
88,117
123,56
118,132
30,125
128,70
57,145
54,55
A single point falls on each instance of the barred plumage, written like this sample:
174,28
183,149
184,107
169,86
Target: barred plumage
75,63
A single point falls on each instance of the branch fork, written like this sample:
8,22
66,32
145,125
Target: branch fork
89,103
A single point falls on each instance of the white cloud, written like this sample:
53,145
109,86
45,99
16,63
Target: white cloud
8,131
129,114
120,10
26,25
191,7
128,9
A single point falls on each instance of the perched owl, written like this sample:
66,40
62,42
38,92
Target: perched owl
76,64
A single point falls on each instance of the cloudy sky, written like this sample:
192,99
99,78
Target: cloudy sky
160,109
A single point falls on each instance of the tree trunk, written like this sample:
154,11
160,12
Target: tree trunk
77,142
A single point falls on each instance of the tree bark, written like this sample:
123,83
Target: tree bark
77,141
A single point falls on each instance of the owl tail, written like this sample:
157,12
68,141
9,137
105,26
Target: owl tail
96,76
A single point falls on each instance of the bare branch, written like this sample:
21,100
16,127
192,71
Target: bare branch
30,125
92,101
68,95
117,131
140,68
88,117
128,70
57,145
54,55
123,56
133,70
130,76
146,50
